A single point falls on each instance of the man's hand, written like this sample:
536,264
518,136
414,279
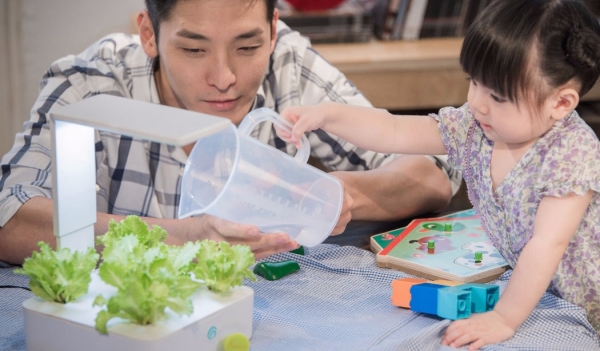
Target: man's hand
478,331
345,214
262,245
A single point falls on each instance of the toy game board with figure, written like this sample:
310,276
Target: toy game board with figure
454,248
379,242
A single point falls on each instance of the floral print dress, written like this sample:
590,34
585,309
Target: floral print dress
564,160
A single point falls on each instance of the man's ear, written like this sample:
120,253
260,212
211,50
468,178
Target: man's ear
147,36
274,29
563,102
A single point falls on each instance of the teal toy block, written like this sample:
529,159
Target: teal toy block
483,296
424,297
454,303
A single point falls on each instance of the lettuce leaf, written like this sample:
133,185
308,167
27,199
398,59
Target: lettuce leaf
222,266
60,276
133,225
148,280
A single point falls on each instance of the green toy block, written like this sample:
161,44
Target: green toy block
298,251
276,270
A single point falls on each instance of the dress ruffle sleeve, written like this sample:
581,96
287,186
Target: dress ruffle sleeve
453,124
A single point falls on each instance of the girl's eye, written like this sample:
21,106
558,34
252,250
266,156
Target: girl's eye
497,98
470,79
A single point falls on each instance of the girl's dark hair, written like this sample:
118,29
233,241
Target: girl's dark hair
160,10
497,50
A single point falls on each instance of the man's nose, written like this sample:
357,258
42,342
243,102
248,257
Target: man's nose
221,74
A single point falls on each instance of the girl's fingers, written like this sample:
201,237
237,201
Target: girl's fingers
477,344
452,333
283,134
464,339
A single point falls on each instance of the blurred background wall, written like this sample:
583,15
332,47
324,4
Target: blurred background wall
34,33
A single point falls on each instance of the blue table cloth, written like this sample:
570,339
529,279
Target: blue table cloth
340,300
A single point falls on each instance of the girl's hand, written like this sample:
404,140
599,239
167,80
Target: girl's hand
478,330
303,119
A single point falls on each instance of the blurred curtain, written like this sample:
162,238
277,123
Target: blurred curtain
12,109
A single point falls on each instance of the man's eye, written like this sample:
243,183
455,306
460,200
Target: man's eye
192,51
248,48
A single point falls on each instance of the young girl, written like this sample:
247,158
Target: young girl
531,165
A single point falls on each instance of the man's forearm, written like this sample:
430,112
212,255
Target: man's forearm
30,224
407,186
33,222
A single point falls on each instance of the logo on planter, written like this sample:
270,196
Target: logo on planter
212,332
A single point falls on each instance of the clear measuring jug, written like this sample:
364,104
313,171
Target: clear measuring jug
233,176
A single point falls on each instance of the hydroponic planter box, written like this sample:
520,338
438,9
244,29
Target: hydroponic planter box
52,326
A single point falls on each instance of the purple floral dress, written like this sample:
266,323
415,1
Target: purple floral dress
564,160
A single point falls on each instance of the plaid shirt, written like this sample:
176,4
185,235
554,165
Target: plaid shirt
141,177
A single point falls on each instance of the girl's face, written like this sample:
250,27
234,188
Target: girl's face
506,122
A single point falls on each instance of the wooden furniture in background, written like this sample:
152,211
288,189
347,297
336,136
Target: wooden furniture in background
402,74
407,75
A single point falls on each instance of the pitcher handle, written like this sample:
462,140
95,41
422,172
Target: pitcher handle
264,114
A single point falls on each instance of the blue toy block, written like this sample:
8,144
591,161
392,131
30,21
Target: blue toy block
483,296
454,303
424,297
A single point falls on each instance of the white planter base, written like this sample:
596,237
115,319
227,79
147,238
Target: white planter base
52,326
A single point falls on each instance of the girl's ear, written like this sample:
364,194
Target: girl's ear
563,102
147,36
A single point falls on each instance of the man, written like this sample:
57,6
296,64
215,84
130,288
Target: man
217,57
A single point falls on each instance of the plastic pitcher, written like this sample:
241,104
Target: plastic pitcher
233,176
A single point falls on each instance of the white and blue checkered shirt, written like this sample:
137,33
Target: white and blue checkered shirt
141,177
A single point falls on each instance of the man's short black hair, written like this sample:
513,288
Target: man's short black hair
160,10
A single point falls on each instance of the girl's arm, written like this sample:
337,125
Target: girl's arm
367,127
556,221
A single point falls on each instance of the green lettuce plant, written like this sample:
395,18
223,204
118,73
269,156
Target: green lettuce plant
222,266
148,274
59,276
147,280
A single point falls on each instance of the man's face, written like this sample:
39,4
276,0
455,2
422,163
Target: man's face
214,55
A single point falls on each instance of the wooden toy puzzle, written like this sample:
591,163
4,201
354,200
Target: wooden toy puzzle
454,248
380,241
